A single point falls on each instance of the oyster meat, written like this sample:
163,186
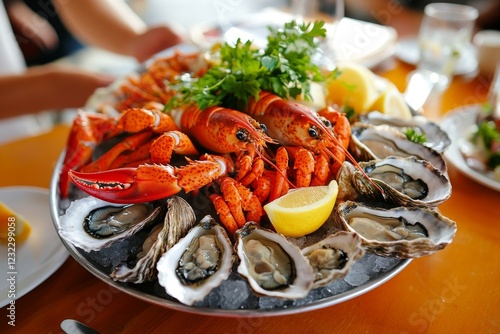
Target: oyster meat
404,181
332,257
271,264
401,232
180,218
92,224
198,263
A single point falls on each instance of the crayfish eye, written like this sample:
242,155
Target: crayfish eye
263,127
326,122
242,135
313,132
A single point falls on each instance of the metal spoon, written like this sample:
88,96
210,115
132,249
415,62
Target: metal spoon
70,326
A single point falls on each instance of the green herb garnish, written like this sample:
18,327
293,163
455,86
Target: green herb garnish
488,134
284,67
415,135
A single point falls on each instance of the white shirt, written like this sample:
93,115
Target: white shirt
12,62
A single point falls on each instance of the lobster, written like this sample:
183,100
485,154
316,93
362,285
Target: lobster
220,130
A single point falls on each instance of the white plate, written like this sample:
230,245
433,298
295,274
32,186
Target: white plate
42,253
353,40
407,50
457,124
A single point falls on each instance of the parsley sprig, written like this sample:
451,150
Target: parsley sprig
415,135
284,67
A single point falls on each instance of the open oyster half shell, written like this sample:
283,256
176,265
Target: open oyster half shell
272,265
400,232
380,141
436,138
92,224
198,263
333,257
404,181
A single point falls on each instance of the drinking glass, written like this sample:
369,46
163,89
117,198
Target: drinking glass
318,8
445,33
306,10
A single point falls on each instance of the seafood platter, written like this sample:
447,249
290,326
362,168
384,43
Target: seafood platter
163,188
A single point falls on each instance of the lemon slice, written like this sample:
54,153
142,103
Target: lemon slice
317,99
391,102
302,211
355,87
12,225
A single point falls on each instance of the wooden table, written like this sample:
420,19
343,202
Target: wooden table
453,291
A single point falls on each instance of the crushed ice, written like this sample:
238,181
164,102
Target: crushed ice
235,293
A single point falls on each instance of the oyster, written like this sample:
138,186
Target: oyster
436,138
405,182
399,232
180,218
92,224
380,141
198,263
332,257
272,265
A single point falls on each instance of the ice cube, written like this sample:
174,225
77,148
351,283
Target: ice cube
357,275
232,294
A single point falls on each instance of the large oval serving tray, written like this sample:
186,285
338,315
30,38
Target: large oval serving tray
150,291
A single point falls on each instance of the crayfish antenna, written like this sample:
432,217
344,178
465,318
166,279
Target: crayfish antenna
351,159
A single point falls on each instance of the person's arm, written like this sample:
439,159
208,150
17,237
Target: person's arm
47,88
112,25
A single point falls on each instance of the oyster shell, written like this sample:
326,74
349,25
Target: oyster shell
436,138
271,264
198,263
399,232
332,257
380,141
405,182
180,218
92,224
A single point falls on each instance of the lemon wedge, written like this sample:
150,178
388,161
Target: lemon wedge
391,102
317,99
12,225
355,87
302,211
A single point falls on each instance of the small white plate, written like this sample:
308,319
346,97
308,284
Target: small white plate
407,50
353,40
457,123
42,253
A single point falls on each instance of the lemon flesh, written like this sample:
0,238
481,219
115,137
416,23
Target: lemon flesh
14,223
355,88
391,102
302,211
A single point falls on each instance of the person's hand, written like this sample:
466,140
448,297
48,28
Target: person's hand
48,87
154,40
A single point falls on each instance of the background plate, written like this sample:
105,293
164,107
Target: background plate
457,123
353,40
41,254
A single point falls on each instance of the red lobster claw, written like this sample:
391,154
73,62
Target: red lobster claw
129,185
149,182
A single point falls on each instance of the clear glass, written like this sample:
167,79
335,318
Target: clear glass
329,10
318,8
445,33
